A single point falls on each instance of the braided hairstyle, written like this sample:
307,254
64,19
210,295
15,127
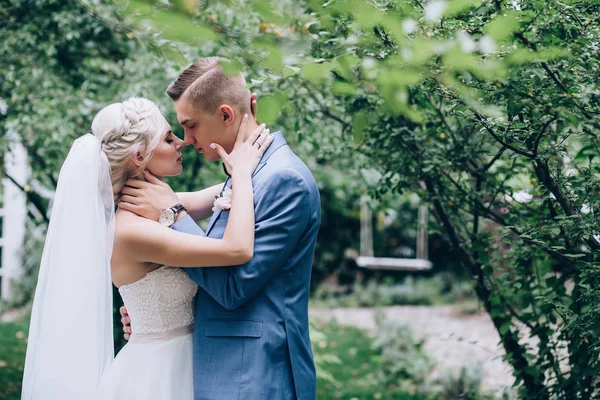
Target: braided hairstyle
124,129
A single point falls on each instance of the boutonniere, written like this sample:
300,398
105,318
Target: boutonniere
223,200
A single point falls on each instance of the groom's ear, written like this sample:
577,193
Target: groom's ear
227,114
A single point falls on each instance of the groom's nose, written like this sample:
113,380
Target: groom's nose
188,139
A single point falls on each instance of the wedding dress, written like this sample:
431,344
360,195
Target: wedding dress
156,363
70,345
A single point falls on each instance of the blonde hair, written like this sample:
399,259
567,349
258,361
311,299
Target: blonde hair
124,129
208,86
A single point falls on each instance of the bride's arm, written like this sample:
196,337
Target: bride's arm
199,204
149,241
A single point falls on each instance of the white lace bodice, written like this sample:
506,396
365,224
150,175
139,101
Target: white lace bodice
161,301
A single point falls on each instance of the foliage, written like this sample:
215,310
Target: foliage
401,360
440,289
465,385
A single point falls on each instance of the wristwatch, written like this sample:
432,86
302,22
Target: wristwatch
168,216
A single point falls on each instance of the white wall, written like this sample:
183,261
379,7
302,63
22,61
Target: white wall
15,214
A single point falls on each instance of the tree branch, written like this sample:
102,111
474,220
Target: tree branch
327,113
536,143
33,198
553,75
493,160
439,113
503,143
543,173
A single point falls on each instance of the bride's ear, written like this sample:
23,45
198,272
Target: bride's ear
138,159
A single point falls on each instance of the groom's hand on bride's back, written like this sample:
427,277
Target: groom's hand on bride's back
147,198
126,322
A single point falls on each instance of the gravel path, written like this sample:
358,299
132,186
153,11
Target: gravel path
454,340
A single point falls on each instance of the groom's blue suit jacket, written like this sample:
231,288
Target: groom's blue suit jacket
251,338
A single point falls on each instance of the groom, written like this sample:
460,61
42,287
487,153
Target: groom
251,339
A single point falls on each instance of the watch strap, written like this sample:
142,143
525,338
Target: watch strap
177,208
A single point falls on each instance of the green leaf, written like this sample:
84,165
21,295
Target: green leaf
267,12
365,14
316,72
522,56
274,55
422,50
270,107
342,88
502,27
504,327
532,371
460,60
359,123
514,106
176,26
232,67
488,270
575,255
456,7
398,76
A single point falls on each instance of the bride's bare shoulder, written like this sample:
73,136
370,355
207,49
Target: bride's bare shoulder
129,227
126,221
126,265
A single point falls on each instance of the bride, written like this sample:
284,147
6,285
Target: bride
88,244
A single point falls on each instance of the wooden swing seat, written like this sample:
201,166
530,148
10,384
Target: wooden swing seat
394,264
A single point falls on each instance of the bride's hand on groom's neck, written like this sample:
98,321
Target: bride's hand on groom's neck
147,198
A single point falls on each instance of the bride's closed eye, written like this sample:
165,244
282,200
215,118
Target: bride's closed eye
170,138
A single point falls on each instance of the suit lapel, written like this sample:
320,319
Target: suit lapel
258,168
213,219
278,142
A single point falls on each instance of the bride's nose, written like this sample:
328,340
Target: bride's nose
179,144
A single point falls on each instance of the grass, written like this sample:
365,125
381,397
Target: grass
352,346
13,346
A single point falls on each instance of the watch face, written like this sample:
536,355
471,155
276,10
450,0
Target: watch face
167,217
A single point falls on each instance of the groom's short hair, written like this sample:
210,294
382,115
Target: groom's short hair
208,86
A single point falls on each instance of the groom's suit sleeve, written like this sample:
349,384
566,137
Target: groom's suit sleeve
282,207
